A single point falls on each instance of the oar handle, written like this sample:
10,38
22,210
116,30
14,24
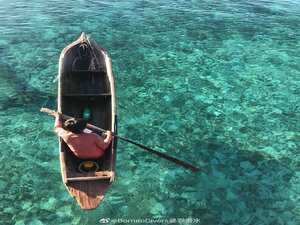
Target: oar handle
88,125
48,111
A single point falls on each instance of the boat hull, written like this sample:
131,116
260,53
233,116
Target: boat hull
86,81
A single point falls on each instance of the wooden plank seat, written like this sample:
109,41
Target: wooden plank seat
92,176
85,72
87,95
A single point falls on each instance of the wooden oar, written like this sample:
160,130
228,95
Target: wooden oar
160,154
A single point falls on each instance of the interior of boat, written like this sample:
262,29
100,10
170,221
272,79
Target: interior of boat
85,85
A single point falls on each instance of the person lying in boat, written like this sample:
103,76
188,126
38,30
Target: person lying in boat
83,145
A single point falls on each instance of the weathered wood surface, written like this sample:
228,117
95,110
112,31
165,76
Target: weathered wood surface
92,86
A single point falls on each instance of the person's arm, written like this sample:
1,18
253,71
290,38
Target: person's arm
108,138
58,127
106,142
57,123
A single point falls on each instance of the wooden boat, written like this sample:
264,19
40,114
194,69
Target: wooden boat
86,81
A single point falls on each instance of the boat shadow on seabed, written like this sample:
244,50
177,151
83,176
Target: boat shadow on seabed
16,92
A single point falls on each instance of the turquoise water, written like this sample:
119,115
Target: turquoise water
213,82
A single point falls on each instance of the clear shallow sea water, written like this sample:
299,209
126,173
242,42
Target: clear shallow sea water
213,82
